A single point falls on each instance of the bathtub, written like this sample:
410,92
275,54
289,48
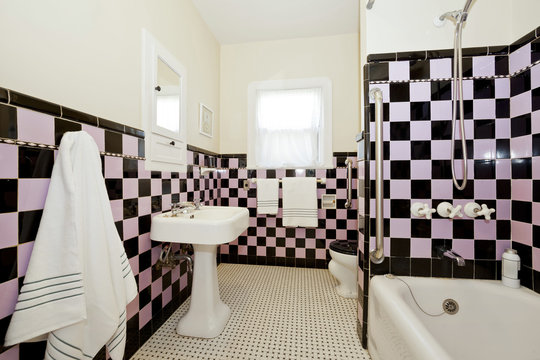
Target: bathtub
493,321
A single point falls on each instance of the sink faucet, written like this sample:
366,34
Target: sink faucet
197,203
451,254
185,207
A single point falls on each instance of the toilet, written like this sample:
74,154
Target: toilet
343,267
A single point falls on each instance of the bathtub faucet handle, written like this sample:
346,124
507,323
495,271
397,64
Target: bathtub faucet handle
445,209
419,209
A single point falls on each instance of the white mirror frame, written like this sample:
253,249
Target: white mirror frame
151,51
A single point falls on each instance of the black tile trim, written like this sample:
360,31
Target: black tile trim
232,156
134,131
381,57
202,151
4,95
530,36
79,116
111,125
30,102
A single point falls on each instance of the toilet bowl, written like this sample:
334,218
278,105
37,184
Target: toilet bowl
343,267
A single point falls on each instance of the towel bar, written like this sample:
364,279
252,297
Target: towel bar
320,181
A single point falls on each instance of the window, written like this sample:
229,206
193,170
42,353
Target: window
290,124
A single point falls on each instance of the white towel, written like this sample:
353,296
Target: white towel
300,202
79,280
267,196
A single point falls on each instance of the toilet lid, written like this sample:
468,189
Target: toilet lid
344,246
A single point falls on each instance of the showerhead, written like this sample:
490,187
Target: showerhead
458,16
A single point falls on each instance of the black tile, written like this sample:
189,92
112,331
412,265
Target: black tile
156,203
145,261
421,110
400,169
475,51
400,247
502,148
521,168
421,189
501,65
527,38
399,92
536,144
62,126
536,191
520,83
466,193
144,224
4,95
131,208
468,109
420,267
420,228
484,249
521,125
378,71
420,150
8,122
441,90
28,225
441,268
525,275
484,89
420,70
467,66
485,269
502,108
382,268
140,145
536,99
130,168
114,188
522,211
133,131
411,55
79,116
503,188
498,50
35,162
400,266
400,130
33,103
463,229
536,236
441,130
503,229
381,57
8,264
442,53
535,50
400,208
8,195
484,129
166,186
144,187
110,125
484,169
131,246
463,272
113,142
441,169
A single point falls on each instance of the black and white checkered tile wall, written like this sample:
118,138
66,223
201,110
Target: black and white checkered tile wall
135,194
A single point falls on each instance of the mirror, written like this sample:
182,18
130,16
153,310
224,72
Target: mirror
167,97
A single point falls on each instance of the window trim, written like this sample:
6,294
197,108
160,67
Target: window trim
325,128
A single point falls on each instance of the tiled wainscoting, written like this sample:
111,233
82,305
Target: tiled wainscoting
30,129
502,125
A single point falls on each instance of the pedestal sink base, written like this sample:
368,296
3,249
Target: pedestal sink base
207,314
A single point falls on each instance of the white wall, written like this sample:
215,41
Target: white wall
524,17
86,55
335,57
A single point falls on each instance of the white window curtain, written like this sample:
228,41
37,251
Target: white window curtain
288,127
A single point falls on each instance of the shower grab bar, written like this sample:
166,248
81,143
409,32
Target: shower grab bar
377,255
348,203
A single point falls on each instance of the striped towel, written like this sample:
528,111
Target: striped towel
267,196
79,280
300,202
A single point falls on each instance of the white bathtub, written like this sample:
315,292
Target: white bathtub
493,321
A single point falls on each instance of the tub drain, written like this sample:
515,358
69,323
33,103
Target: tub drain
450,306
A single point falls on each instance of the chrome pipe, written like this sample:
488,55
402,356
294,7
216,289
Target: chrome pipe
377,255
348,203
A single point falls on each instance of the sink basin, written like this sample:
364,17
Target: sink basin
211,225
205,228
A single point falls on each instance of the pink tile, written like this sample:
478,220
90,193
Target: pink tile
467,89
464,247
400,111
252,241
521,190
440,149
420,248
485,230
420,130
242,250
400,189
503,209
520,58
441,110
502,128
167,296
11,354
320,254
502,88
145,205
483,65
155,187
399,70
130,145
97,133
142,172
521,146
441,228
145,315
535,122
134,263
536,213
9,223
145,279
9,291
133,307
224,249
130,188
399,150
420,169
131,228
440,68
175,274
400,228
154,253
35,126
117,208
32,193
114,167
503,169
500,246
520,104
385,88
484,109
9,159
24,251
536,167
485,189
156,288
485,149
280,252
420,91
300,253
536,258
521,232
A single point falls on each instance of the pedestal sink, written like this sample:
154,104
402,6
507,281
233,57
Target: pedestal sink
205,229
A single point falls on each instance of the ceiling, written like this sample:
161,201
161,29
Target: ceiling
238,21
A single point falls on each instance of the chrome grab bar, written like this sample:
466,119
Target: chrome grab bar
348,203
377,255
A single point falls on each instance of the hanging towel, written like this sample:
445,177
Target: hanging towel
300,202
267,196
79,280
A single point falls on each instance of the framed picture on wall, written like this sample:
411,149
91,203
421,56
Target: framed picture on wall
206,121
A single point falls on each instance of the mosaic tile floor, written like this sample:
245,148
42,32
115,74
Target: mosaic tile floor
277,313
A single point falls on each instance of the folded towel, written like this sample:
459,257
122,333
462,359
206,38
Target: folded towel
79,280
267,196
300,202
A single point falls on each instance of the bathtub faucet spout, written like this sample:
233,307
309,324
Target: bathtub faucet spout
451,254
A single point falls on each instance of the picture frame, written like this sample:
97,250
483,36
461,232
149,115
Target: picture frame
206,120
